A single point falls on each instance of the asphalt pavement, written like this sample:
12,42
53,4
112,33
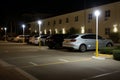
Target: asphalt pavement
71,68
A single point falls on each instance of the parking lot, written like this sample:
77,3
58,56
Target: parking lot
51,64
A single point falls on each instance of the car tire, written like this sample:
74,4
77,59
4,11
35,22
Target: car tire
58,46
82,48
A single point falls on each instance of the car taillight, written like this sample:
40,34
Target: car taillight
73,40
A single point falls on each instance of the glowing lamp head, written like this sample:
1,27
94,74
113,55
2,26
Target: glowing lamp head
39,22
97,13
5,28
23,26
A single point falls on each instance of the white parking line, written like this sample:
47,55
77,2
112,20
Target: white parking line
33,63
101,75
64,60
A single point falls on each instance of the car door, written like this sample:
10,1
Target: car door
89,40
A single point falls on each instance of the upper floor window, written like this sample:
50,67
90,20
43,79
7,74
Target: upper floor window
48,23
67,20
54,22
60,21
76,18
107,13
90,16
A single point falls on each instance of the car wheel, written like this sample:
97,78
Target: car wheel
109,45
57,46
82,48
50,47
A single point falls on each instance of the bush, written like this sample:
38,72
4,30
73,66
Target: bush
116,54
107,50
115,37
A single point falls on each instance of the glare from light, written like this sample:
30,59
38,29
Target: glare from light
5,28
23,26
56,31
82,29
97,13
50,31
63,30
115,29
39,22
45,32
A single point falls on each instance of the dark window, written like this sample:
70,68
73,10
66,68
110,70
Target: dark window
90,16
107,13
67,20
60,21
76,18
107,31
54,22
48,23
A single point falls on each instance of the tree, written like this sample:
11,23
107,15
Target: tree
72,30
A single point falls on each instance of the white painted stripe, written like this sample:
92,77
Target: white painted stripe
101,75
33,63
64,60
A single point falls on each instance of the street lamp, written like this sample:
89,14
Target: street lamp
97,13
39,23
23,26
5,33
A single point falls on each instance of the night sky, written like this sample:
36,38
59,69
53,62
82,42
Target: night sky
13,9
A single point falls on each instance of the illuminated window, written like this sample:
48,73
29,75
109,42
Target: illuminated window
115,29
50,31
56,31
82,29
45,32
63,30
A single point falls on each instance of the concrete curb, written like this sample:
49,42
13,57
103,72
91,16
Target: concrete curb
22,72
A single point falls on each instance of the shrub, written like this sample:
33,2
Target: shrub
116,54
115,37
107,50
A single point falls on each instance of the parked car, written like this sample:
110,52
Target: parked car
83,42
20,38
55,41
35,39
43,40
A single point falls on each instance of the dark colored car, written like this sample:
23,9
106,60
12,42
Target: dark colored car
56,40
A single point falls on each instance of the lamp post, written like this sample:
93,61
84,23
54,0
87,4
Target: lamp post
39,23
23,26
97,13
5,33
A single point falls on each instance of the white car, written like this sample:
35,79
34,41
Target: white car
20,38
85,42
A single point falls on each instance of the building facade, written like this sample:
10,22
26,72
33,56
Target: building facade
84,21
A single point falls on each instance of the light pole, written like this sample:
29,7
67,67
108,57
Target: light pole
97,13
5,33
23,26
39,23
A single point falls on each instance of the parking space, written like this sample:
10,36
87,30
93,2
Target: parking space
62,64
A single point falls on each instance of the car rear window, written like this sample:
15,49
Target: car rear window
72,36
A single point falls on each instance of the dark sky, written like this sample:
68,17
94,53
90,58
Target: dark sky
15,8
